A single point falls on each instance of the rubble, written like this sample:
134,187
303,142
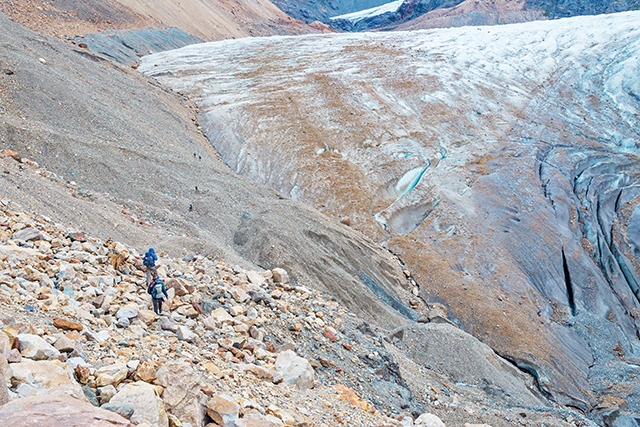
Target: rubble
259,351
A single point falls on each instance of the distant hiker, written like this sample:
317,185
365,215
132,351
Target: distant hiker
190,207
196,188
158,293
149,261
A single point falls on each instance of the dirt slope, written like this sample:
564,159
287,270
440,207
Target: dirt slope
115,132
209,19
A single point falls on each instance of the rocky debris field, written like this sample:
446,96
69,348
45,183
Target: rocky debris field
76,315
80,345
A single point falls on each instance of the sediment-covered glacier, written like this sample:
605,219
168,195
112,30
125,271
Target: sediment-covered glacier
525,224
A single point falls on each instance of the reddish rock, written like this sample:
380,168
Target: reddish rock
145,372
82,374
77,237
12,154
207,391
66,324
331,334
179,285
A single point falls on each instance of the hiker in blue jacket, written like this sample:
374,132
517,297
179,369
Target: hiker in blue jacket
149,261
158,293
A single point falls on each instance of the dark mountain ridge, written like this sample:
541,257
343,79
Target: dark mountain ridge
412,9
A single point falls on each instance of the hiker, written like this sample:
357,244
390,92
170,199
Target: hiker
158,293
149,261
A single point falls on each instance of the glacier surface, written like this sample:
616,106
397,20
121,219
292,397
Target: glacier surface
525,222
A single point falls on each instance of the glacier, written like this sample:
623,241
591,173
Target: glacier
524,224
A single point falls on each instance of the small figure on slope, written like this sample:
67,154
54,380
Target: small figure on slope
158,293
149,261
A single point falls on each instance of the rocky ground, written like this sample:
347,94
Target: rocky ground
233,347
209,20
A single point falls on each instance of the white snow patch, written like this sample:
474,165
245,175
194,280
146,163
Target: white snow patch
368,13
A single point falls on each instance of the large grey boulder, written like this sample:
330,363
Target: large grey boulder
181,395
147,405
44,376
295,369
35,348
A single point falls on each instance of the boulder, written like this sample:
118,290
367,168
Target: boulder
66,324
27,234
180,286
295,369
286,417
5,343
224,410
280,275
145,372
186,334
36,348
428,420
106,393
43,374
4,368
123,409
147,317
210,323
255,278
15,253
147,405
181,394
111,375
263,373
129,311
221,315
239,294
77,236
55,410
64,344
237,310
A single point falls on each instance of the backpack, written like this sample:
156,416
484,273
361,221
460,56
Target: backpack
148,260
157,291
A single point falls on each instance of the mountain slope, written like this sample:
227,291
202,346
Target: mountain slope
313,10
499,163
475,12
208,20
118,134
423,14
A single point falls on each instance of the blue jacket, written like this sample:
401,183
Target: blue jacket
150,258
